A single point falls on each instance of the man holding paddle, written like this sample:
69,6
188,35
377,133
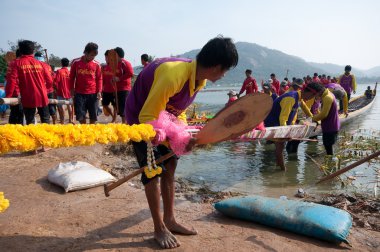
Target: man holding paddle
171,84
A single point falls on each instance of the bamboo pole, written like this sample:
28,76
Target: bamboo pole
15,101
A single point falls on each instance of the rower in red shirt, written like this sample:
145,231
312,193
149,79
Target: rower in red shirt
145,60
62,85
249,84
49,86
16,116
275,84
123,78
86,84
32,79
108,94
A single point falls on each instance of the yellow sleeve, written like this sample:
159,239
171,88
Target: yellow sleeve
327,101
286,108
353,83
306,108
345,103
168,81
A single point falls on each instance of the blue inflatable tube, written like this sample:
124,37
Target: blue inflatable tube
319,221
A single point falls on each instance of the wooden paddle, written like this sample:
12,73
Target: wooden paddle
240,117
349,167
113,63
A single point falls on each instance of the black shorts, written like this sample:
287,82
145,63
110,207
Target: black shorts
121,97
31,112
52,107
108,98
329,138
140,149
84,103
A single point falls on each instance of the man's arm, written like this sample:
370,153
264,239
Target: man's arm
286,108
326,106
353,83
11,81
73,73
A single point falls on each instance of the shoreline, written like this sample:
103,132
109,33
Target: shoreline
42,217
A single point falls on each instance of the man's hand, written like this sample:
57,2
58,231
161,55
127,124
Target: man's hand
346,114
159,137
191,144
99,95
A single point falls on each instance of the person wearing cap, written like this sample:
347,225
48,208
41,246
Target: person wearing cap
232,97
267,89
249,84
283,87
283,113
348,82
328,115
275,84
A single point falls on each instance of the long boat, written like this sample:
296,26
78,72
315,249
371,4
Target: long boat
357,106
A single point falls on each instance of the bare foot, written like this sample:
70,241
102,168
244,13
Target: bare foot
166,239
180,229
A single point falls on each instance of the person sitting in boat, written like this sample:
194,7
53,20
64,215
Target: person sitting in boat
348,82
283,113
232,97
369,93
340,94
267,89
328,115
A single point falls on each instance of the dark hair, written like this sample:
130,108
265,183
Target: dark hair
26,47
145,57
18,53
315,74
119,52
286,78
249,71
65,62
218,51
317,87
106,53
272,75
347,68
38,54
91,47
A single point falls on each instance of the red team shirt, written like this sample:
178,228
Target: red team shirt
85,77
125,74
32,79
249,85
62,83
108,86
276,86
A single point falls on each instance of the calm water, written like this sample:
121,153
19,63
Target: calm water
249,167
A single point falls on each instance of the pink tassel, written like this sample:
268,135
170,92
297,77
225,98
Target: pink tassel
169,126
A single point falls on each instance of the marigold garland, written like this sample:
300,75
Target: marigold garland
15,137
4,203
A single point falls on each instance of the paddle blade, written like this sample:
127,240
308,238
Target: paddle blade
113,60
240,117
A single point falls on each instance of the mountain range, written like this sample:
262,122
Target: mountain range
264,61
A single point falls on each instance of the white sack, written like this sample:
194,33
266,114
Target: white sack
78,175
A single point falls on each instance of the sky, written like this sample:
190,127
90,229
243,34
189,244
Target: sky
323,31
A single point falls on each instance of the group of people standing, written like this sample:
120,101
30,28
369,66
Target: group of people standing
84,85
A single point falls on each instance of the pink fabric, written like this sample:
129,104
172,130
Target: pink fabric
169,127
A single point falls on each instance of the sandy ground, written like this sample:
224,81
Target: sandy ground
41,217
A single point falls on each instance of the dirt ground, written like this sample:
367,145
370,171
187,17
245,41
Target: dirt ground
41,217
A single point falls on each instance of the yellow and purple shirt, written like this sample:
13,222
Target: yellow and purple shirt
165,84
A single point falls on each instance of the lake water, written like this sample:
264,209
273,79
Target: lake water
249,167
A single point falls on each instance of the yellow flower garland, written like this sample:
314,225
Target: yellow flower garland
15,137
4,203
